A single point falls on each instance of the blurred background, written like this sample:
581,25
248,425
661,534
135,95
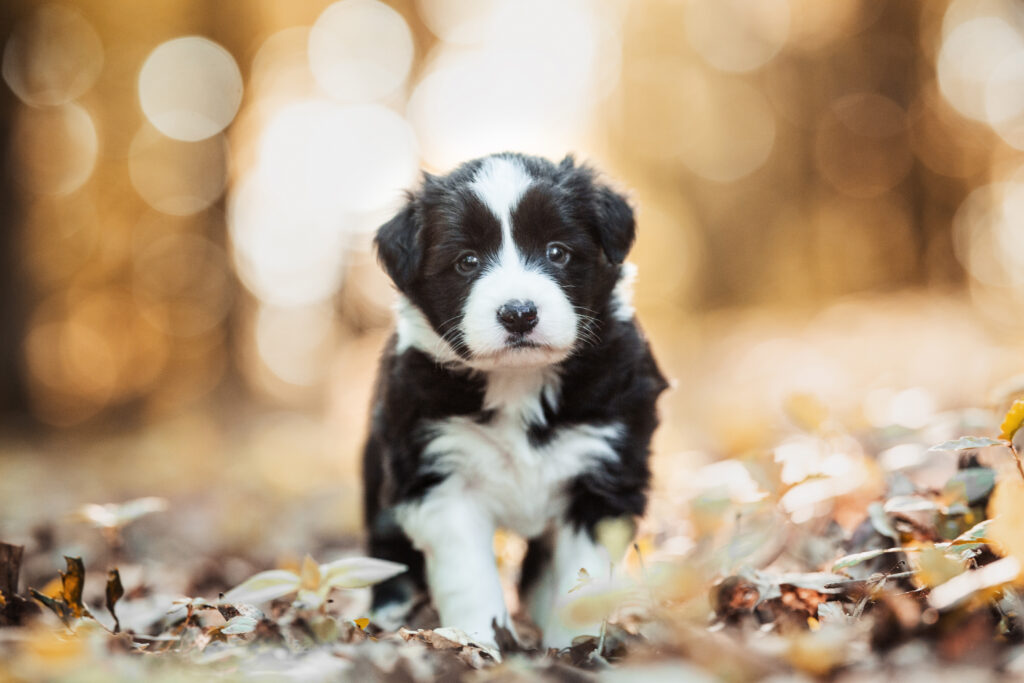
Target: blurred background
830,201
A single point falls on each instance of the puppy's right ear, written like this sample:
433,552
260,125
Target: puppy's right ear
399,246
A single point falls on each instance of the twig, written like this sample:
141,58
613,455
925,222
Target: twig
1016,457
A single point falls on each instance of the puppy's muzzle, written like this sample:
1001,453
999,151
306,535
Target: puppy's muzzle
518,317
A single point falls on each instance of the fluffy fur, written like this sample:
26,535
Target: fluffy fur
517,392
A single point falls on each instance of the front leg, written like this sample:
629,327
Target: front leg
572,550
456,537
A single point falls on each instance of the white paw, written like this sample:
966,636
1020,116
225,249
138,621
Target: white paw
476,638
560,637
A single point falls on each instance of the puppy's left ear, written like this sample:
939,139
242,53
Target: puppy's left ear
399,246
616,228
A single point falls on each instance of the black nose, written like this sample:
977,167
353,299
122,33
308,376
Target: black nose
518,316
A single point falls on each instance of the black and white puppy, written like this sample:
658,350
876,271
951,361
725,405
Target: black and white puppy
517,392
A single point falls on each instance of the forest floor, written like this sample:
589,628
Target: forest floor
892,548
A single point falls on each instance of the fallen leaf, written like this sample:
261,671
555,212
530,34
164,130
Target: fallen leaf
359,572
114,592
966,443
265,586
960,588
73,581
807,411
972,485
857,558
57,606
239,624
935,567
114,515
309,575
1006,510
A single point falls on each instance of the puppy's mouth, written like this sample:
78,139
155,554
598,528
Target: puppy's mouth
519,352
521,342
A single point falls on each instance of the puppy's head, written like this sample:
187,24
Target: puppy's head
509,261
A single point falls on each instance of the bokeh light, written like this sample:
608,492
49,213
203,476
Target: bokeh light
360,50
814,25
284,258
863,145
181,284
296,344
325,156
502,93
719,127
988,232
55,148
970,55
781,155
52,57
459,22
190,88
1004,99
175,177
737,35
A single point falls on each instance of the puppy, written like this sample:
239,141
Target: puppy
518,391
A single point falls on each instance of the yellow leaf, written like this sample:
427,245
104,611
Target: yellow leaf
1006,509
310,574
615,534
72,583
806,411
362,623
818,652
1012,421
53,589
935,568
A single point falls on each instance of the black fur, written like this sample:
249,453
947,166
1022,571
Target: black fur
612,379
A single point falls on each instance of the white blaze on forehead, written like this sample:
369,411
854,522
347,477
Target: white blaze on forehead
500,183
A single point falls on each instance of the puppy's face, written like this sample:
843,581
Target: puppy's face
511,260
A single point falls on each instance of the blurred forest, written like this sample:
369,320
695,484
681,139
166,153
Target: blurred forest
830,200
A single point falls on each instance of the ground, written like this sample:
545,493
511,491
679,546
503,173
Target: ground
849,548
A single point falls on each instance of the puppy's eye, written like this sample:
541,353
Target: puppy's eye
468,263
558,253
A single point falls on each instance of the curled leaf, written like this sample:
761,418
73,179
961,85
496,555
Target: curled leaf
115,515
309,574
72,583
960,588
966,443
857,558
359,572
240,624
58,607
115,591
264,586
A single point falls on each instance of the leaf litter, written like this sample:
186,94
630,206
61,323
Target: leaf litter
835,555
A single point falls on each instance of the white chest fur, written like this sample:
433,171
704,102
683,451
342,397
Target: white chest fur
493,467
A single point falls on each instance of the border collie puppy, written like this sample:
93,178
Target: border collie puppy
518,391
